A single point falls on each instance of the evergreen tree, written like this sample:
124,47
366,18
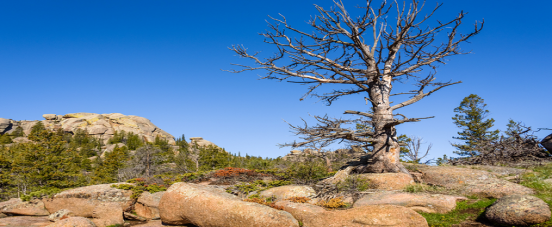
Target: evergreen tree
18,132
5,139
45,163
471,118
107,170
36,131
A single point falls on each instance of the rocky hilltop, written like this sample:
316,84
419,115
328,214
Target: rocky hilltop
101,126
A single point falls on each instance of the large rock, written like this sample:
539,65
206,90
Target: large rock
518,210
25,221
49,116
108,214
288,191
4,125
29,208
471,181
546,142
73,222
11,202
387,181
148,205
428,203
373,215
203,205
84,200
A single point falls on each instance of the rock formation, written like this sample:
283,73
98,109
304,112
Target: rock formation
101,126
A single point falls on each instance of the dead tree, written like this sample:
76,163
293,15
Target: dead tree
518,147
415,153
389,42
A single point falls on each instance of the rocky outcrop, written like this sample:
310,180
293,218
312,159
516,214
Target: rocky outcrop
99,125
29,208
203,205
518,210
83,201
4,124
387,181
547,142
288,191
73,222
200,142
428,203
148,205
470,181
372,215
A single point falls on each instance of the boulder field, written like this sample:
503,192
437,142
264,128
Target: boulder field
188,204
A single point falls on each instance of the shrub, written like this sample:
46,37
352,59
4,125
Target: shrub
299,199
333,203
354,183
47,192
264,201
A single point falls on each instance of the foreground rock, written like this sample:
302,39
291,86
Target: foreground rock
387,181
29,208
471,181
147,205
202,205
25,221
108,214
73,222
84,201
518,210
428,203
374,215
288,191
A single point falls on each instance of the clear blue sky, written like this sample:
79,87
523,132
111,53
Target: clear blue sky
162,60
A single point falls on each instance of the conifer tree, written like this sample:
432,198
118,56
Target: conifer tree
107,169
471,118
46,162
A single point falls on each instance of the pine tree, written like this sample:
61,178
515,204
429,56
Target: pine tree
46,163
471,118
106,170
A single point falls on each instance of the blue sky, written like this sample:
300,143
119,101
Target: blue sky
162,60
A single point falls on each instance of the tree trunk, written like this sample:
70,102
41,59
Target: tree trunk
386,150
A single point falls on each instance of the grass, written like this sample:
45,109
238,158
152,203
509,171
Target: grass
535,180
471,210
